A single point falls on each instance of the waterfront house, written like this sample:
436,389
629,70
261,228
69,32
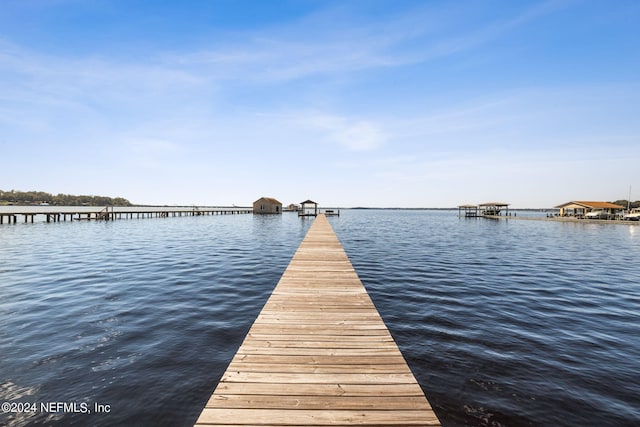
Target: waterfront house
267,205
581,208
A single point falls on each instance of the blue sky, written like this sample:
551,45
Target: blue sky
349,103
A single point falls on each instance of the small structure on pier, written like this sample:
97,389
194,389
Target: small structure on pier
308,208
470,211
493,208
267,205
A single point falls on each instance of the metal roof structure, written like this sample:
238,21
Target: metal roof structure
589,205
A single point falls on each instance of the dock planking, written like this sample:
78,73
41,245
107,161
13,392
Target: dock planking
318,353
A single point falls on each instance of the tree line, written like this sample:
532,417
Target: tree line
624,203
41,197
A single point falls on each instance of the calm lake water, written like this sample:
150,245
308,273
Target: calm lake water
504,323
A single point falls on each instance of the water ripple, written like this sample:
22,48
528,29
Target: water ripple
505,323
143,315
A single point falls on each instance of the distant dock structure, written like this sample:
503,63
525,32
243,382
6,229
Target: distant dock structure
470,211
310,208
494,208
10,214
291,208
267,205
485,210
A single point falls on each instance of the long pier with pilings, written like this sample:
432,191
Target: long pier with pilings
318,354
28,214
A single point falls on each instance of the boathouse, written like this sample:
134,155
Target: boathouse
493,208
267,205
470,211
580,208
308,208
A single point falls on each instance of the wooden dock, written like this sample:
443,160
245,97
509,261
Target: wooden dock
318,354
10,214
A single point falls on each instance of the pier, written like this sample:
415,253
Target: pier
470,211
484,210
310,208
319,353
10,214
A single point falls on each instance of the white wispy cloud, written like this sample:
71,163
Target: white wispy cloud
360,136
309,47
353,134
42,77
305,48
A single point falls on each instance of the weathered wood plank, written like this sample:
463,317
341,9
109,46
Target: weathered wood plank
321,344
319,338
318,402
327,322
312,329
317,360
317,378
367,368
362,352
280,389
311,308
313,316
300,417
